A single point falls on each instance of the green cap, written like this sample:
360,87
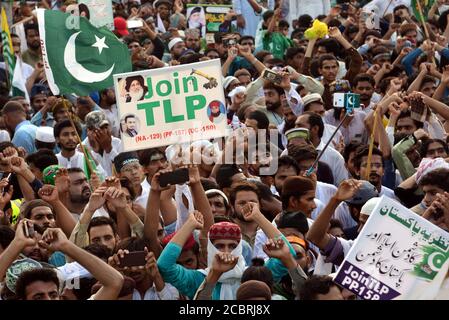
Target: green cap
297,133
49,174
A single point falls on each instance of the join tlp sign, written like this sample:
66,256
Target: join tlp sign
171,105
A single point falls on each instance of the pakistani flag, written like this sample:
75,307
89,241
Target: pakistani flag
7,50
18,81
78,57
421,13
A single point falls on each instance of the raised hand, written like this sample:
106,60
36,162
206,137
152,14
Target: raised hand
347,189
5,193
5,217
445,75
18,165
94,181
232,53
97,199
276,249
151,264
20,236
49,193
104,140
62,181
394,109
114,260
194,175
155,183
196,220
334,32
116,197
54,239
224,262
373,70
251,211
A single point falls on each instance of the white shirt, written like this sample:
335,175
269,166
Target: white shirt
112,116
328,131
325,191
168,293
384,191
106,159
335,161
77,161
356,129
384,7
143,198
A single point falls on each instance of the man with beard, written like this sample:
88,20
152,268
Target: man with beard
24,132
135,88
40,213
364,84
79,191
408,132
100,140
328,65
38,96
67,138
108,105
273,103
376,171
33,54
193,40
242,194
176,47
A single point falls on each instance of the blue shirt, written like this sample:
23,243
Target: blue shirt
24,136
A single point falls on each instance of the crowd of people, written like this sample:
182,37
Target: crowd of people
82,219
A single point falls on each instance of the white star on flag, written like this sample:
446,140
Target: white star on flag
99,43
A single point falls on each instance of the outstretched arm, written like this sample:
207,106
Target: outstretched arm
318,231
111,279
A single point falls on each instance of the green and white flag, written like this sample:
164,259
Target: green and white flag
79,58
18,81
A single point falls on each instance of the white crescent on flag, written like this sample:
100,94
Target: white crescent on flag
76,69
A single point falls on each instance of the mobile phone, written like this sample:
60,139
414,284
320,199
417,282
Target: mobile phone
28,228
133,259
229,42
344,6
132,24
272,76
178,176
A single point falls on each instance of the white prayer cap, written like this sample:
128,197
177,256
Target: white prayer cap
228,80
45,134
427,165
4,136
369,206
173,42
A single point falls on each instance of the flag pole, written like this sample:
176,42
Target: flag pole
422,19
371,147
386,9
8,81
89,165
311,169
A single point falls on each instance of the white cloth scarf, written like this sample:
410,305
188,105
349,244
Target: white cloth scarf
160,24
230,281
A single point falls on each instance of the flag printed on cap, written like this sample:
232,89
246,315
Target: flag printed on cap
78,57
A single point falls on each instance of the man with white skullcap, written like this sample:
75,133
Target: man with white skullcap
45,138
176,47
